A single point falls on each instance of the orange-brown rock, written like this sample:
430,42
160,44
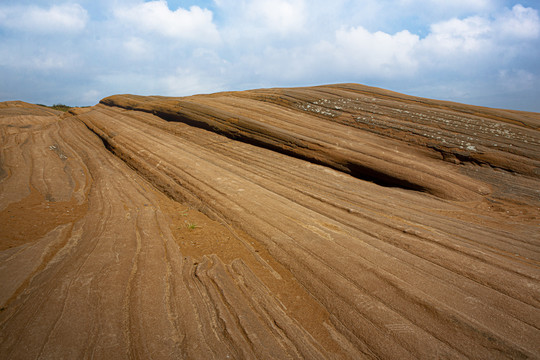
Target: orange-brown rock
326,222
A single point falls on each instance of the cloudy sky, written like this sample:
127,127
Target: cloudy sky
484,52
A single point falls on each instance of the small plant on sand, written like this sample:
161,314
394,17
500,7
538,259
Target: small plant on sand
191,226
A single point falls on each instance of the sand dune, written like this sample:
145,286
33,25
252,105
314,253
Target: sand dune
330,222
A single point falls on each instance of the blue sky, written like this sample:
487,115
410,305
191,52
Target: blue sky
484,52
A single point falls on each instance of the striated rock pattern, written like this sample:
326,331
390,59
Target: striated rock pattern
330,222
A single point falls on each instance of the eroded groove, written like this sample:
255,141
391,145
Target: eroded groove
362,163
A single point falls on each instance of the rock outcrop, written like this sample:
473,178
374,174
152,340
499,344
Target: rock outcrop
325,222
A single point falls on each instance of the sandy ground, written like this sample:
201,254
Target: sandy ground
327,222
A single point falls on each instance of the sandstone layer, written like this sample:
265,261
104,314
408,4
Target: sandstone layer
330,222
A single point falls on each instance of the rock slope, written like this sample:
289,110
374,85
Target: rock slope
330,222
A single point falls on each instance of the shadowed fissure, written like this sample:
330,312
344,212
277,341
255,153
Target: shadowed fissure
354,169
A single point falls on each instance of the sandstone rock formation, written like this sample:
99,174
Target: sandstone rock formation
330,222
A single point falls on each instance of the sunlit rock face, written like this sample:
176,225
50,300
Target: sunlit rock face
337,221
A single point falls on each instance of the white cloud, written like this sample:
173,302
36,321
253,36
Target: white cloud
520,22
365,53
277,15
458,49
480,39
189,81
465,47
36,60
155,17
264,18
50,61
350,54
455,35
137,47
55,19
453,6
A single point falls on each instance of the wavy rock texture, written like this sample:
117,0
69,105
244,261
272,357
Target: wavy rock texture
331,222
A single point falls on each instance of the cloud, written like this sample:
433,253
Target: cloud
435,48
516,80
188,81
456,50
455,35
366,53
137,47
520,22
55,19
445,6
155,17
465,44
36,60
263,19
278,16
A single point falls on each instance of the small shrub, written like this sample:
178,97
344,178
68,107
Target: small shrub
191,226
61,107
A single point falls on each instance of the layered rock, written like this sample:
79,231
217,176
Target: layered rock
326,222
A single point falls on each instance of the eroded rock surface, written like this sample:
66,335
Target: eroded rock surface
326,222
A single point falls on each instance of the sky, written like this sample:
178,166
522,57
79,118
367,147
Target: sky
76,52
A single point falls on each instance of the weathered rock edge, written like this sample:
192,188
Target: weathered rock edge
364,162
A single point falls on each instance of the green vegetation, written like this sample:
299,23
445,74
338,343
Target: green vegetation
59,107
191,226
